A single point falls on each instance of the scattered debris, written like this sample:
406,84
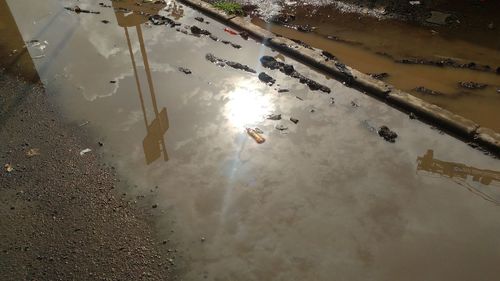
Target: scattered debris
33,152
426,91
255,135
288,69
283,90
379,76
472,85
294,120
332,100
283,18
198,31
266,79
236,46
387,134
328,55
274,117
8,168
200,19
305,28
412,116
78,10
354,104
85,151
162,20
184,70
222,62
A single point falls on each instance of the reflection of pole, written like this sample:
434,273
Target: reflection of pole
129,14
138,83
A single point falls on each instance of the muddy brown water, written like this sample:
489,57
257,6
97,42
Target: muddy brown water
327,198
361,40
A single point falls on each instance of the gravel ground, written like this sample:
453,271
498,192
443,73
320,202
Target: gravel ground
60,217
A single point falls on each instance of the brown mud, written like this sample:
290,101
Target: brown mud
412,53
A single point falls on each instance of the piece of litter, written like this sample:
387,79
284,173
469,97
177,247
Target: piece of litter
414,3
255,135
294,120
8,167
86,150
84,123
33,152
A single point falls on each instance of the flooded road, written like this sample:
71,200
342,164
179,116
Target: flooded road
325,197
375,46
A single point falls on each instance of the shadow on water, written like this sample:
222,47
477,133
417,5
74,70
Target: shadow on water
460,173
130,15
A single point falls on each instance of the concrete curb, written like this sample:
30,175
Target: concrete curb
453,123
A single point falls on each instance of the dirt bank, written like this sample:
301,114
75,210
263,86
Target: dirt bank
60,217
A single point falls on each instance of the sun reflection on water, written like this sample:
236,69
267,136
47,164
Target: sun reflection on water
247,104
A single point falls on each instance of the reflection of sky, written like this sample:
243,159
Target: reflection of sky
247,105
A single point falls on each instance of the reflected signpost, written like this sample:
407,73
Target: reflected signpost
128,14
459,172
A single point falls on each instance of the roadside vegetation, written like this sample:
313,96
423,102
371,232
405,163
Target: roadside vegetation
230,8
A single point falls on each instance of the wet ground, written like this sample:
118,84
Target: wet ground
374,42
326,196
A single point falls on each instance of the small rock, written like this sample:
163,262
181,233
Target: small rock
266,78
387,134
244,35
184,70
274,117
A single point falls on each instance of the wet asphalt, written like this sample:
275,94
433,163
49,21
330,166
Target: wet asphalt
324,196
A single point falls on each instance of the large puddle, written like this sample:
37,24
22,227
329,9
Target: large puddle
326,198
373,46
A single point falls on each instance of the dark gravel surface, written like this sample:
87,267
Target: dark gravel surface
60,216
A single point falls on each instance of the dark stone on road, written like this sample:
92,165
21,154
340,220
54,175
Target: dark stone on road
184,70
198,31
266,78
387,134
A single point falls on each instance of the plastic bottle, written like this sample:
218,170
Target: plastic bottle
256,136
